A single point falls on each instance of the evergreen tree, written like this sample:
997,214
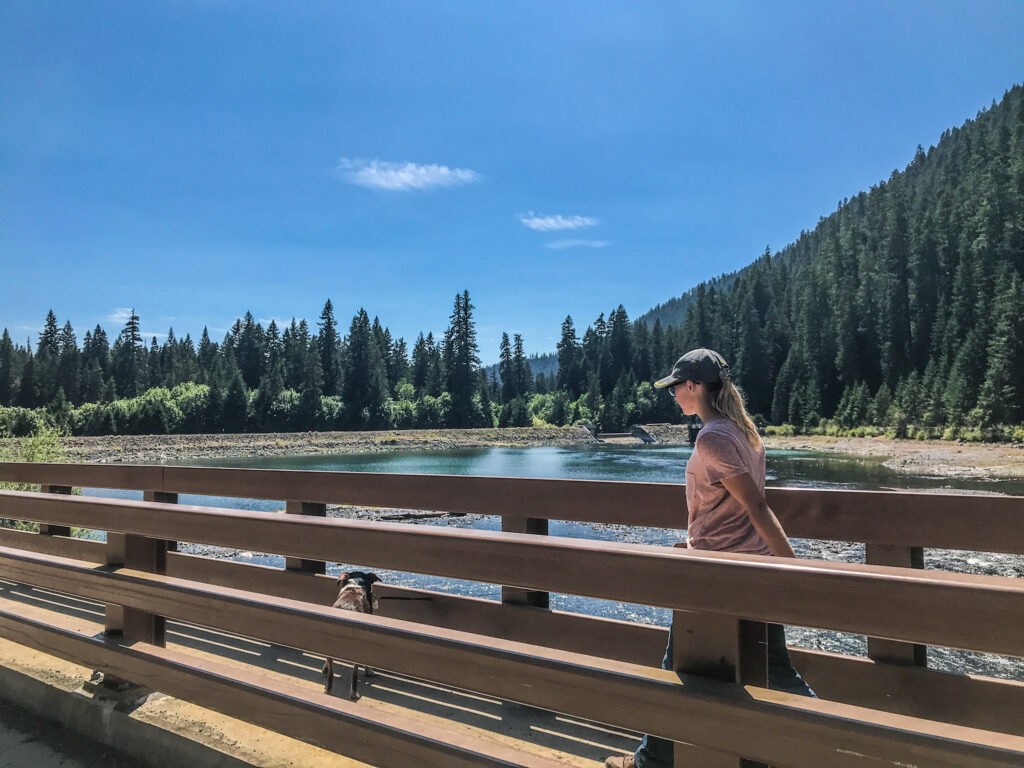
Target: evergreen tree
506,370
365,391
570,378
461,357
521,372
248,345
206,358
330,350
6,369
418,368
234,409
69,364
310,407
27,395
49,338
128,359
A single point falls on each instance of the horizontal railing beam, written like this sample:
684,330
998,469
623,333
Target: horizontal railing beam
982,613
953,521
778,728
979,702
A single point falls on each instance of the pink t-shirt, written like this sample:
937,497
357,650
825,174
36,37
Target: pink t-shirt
717,520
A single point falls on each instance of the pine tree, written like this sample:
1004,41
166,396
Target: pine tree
206,358
365,391
570,377
521,372
6,369
249,348
234,409
128,359
49,338
310,409
330,350
420,363
461,357
27,395
506,370
1002,393
69,364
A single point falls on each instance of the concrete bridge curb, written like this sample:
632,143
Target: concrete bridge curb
29,684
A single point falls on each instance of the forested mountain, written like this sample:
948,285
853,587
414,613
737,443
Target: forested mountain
904,307
673,311
902,312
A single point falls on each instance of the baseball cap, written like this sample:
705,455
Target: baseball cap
696,365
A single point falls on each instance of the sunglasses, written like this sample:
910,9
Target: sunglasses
672,390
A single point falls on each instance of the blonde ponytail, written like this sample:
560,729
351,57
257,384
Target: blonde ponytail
727,399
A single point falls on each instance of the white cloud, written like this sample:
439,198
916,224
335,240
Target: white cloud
545,223
120,315
559,245
384,174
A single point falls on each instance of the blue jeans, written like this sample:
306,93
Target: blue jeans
655,752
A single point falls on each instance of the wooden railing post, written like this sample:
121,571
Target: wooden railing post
139,553
299,563
723,648
164,498
891,651
516,595
55,530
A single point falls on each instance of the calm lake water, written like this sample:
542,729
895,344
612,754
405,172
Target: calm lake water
663,464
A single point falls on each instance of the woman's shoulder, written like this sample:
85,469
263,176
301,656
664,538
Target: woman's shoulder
717,429
722,431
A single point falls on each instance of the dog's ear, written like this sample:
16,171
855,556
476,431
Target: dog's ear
343,579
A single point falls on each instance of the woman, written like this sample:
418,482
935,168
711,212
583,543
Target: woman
727,507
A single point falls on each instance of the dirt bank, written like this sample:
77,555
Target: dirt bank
919,457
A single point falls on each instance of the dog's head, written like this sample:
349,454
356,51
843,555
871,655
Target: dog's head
361,580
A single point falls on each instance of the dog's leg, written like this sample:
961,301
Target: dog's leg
328,672
353,694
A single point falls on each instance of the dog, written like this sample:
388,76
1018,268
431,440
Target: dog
355,593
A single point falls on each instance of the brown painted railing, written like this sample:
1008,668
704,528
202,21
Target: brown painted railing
889,708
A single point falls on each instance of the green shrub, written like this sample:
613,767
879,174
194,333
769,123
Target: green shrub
45,444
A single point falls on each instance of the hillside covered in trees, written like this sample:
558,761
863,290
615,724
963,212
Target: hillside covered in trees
902,312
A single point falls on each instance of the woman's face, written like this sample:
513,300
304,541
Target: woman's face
687,395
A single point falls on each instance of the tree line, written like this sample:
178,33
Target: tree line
902,312
303,378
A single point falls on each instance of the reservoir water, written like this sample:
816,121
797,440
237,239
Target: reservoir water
808,469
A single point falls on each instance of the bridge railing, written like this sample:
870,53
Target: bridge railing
583,666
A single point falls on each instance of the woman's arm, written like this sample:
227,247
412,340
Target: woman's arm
744,490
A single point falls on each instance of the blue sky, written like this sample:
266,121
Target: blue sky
195,160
